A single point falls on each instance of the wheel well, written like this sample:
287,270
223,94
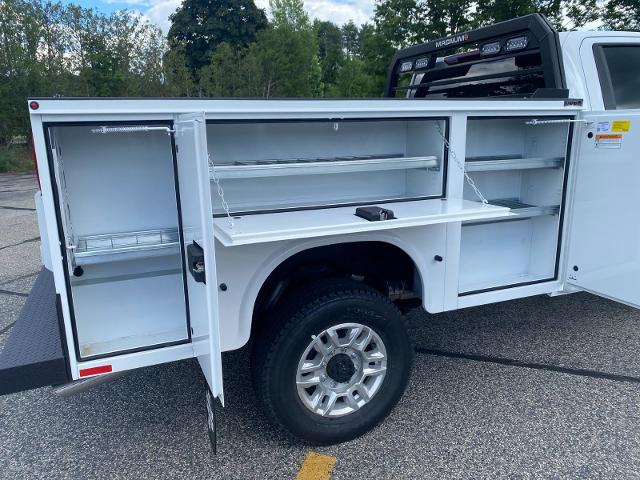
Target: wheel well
381,265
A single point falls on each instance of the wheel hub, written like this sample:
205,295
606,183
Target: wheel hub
341,368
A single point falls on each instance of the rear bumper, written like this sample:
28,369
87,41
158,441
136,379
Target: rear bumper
33,355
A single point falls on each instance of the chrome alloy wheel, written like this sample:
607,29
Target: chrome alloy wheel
341,370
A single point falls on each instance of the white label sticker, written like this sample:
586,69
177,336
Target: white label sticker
602,127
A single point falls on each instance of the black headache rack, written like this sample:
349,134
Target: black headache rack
33,355
516,58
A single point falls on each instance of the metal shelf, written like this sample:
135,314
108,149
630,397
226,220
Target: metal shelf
314,166
92,246
511,162
520,210
525,210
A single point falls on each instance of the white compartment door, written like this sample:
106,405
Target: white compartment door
604,231
197,230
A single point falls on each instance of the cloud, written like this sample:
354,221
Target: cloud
337,11
127,2
360,11
160,10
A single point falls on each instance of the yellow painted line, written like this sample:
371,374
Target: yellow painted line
316,467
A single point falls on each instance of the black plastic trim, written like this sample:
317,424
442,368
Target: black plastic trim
174,156
63,336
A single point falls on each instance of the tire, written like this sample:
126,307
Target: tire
361,401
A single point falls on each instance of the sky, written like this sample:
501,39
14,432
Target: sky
158,11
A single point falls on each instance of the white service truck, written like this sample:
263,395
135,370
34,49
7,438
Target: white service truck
182,228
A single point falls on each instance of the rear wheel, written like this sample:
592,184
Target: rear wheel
332,362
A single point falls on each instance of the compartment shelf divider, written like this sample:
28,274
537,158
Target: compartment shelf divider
509,162
301,166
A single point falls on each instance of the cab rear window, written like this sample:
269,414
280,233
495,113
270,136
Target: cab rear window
619,69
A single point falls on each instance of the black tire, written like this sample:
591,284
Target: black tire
281,341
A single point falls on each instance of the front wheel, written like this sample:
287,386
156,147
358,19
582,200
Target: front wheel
333,362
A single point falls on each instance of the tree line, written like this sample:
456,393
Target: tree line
223,48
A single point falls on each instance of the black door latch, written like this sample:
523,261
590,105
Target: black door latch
195,259
374,214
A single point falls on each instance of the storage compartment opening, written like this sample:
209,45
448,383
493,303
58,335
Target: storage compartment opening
120,221
298,164
521,167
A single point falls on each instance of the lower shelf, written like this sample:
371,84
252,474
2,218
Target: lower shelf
133,342
521,210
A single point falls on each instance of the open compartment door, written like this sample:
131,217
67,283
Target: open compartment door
604,230
198,245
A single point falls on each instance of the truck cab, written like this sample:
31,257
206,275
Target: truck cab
601,68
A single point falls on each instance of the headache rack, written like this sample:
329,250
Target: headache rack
516,58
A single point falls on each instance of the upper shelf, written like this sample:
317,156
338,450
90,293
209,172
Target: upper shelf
314,166
271,227
511,162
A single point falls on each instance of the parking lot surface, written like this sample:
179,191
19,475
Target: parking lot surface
534,388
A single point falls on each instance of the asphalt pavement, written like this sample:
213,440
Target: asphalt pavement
534,388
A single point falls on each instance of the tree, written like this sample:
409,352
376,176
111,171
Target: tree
330,55
408,22
353,81
445,17
351,39
201,25
376,52
492,11
223,76
48,48
578,13
280,64
622,15
289,14
399,22
176,75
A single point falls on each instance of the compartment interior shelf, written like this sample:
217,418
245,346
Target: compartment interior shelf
90,248
511,162
521,210
525,210
313,166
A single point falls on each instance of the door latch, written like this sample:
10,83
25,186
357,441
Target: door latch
195,259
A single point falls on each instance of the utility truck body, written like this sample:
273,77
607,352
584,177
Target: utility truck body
182,228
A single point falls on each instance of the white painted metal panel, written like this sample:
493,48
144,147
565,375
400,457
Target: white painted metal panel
197,226
228,109
270,227
604,233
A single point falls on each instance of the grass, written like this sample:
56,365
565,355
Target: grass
15,158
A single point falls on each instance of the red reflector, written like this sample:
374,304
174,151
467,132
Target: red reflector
85,372
34,105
